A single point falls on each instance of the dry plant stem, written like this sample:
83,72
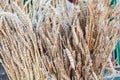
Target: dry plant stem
46,41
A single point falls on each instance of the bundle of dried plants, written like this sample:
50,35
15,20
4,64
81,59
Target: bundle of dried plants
49,40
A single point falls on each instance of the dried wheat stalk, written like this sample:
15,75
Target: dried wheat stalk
46,41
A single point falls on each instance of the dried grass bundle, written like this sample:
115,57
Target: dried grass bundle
43,40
